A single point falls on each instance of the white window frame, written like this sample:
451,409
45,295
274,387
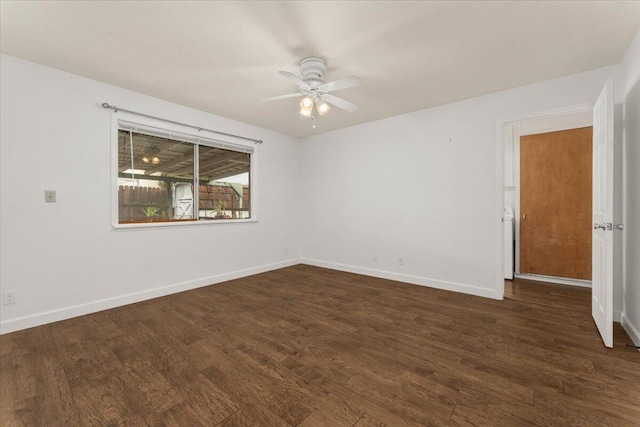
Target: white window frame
201,137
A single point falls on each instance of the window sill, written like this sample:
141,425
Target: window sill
176,224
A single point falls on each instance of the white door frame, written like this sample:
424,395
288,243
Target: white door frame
500,144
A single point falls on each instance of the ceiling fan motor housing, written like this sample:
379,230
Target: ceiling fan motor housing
312,68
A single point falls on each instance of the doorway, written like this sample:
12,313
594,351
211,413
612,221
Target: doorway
549,193
603,198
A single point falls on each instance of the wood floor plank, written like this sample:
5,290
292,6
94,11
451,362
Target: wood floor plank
24,370
104,402
159,392
170,358
579,412
240,418
469,412
314,347
247,384
8,378
52,401
179,415
254,415
209,403
368,421
404,399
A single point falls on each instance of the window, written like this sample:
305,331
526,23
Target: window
171,177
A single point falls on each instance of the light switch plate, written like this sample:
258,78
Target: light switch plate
50,196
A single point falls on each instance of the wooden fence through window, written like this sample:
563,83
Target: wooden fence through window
152,203
141,203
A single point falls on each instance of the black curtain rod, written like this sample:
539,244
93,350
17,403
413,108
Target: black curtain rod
198,128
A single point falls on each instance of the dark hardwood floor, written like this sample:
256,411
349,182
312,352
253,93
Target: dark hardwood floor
313,347
560,296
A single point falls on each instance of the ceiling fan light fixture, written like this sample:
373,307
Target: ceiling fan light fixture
306,106
322,107
306,112
306,103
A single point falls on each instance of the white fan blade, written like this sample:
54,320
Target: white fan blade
275,98
345,83
340,103
297,80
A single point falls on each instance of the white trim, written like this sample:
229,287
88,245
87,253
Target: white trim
406,278
499,208
516,196
632,330
174,224
571,109
553,279
556,123
16,324
577,108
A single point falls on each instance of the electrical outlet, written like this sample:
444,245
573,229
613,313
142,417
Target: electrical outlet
9,297
286,251
50,196
400,261
375,259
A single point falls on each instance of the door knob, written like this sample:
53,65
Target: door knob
599,226
611,227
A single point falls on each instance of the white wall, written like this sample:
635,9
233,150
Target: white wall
64,259
425,186
631,219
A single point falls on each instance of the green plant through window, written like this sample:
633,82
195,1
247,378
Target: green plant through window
151,211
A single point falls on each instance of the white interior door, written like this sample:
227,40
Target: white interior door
602,249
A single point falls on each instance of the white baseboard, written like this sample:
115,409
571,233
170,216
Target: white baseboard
632,330
552,279
415,280
19,323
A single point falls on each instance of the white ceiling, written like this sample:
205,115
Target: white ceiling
223,57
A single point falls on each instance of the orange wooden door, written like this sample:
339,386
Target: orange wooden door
555,203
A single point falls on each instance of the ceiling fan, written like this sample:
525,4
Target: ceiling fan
316,91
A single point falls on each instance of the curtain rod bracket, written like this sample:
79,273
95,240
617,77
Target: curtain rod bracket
198,128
